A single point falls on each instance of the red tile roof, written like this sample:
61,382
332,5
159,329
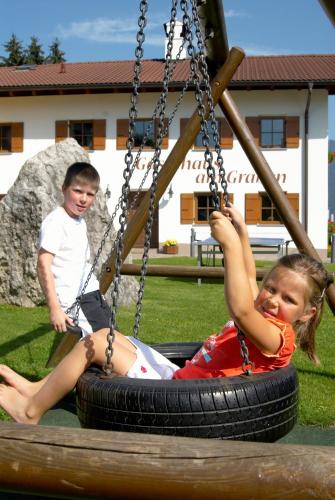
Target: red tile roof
260,71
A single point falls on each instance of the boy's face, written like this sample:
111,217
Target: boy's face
78,198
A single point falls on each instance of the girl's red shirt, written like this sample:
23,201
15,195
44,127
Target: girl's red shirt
220,354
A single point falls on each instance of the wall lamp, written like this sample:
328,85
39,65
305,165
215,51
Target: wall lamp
107,192
170,191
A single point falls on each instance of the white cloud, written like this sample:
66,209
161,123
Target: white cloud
262,50
105,30
235,13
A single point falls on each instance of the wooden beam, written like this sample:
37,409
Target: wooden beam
171,164
271,185
211,17
182,271
329,8
83,463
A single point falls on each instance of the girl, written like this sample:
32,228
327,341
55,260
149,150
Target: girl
290,300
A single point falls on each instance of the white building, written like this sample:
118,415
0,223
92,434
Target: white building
284,100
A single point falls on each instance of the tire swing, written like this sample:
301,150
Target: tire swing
253,407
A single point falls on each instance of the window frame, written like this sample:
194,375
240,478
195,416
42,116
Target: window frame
272,132
82,122
201,147
146,147
209,209
264,195
5,150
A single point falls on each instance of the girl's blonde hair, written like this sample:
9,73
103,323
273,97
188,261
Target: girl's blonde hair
317,281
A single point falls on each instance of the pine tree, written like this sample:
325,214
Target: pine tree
34,52
56,55
15,51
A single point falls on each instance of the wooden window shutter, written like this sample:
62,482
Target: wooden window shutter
226,134
61,130
186,208
99,134
17,137
165,143
183,123
253,206
292,131
122,133
293,198
253,124
230,198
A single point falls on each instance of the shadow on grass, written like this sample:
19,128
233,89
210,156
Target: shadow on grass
24,339
317,374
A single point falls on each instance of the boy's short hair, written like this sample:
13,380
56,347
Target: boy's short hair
82,172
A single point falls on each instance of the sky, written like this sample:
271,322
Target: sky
102,30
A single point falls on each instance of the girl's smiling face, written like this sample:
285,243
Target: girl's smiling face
283,296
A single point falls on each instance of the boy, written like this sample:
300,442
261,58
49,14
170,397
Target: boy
64,257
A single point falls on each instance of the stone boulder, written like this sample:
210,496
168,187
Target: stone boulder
36,191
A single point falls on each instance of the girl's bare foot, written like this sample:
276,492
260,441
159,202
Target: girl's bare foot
21,384
16,405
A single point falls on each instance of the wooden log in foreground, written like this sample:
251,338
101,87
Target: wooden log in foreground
82,463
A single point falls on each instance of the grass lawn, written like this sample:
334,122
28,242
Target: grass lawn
173,310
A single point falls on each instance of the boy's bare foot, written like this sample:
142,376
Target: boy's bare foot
21,384
16,405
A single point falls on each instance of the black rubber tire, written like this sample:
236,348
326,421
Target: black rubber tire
261,407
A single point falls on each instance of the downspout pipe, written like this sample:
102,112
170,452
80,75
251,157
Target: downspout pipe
305,162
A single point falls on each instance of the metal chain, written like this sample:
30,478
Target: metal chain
204,70
108,367
247,365
200,101
76,304
156,165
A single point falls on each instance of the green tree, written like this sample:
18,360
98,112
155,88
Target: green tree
34,52
15,51
56,55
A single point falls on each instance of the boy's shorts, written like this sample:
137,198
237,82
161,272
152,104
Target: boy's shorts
94,312
150,363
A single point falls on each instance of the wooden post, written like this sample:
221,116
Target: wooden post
83,463
171,164
67,341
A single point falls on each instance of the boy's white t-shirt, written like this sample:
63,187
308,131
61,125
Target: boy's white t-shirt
66,238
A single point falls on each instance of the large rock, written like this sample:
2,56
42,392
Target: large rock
36,191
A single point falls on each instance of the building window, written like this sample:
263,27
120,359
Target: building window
275,132
268,210
11,137
82,132
144,128
203,207
90,134
197,207
5,137
198,143
272,132
259,208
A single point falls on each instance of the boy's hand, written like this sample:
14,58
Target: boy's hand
59,320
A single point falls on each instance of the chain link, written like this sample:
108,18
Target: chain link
155,168
247,365
76,305
108,367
